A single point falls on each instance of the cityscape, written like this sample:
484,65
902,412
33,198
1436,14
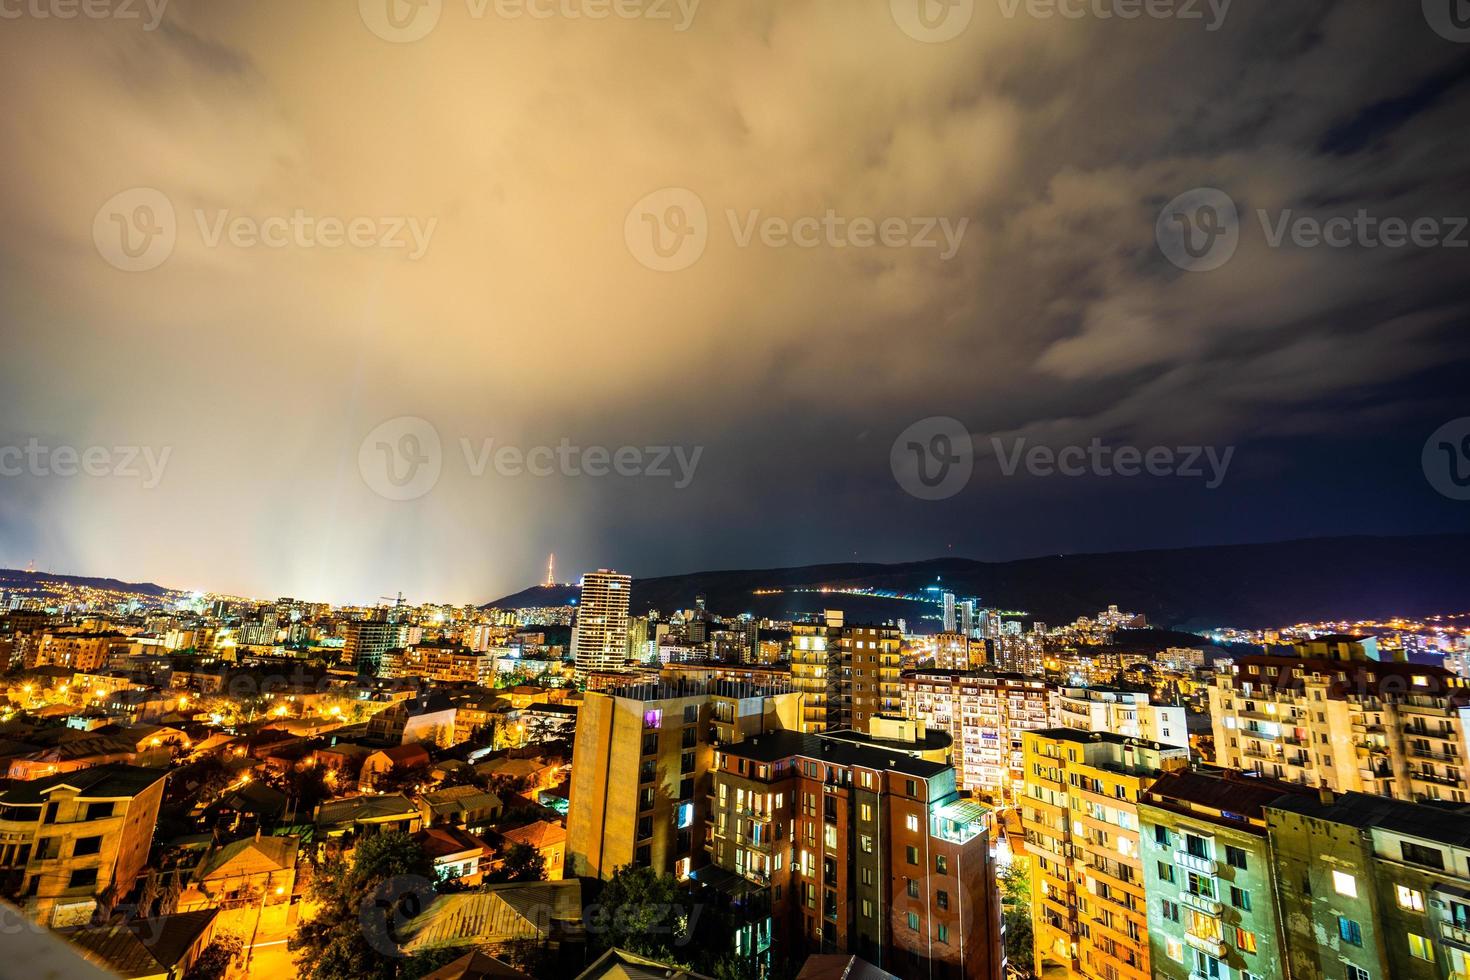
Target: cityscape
734,490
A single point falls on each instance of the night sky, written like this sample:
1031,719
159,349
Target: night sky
594,264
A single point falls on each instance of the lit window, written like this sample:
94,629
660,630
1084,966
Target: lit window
1420,947
1409,898
911,822
1345,884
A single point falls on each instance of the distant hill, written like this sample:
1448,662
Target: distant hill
1258,585
537,595
11,578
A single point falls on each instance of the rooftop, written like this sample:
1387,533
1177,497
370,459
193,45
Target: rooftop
1441,824
774,746
110,782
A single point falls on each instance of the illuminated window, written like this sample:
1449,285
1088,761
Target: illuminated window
1345,884
1409,898
1420,947
911,822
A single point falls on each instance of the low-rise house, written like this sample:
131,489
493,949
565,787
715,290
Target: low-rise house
163,947
548,838
619,964
544,912
477,966
258,870
66,840
457,855
460,806
386,760
359,816
69,752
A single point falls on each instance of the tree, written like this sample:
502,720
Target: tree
680,923
214,960
354,932
1015,887
520,862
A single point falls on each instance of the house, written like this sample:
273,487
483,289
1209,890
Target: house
840,966
619,964
460,806
66,839
457,855
533,774
477,966
164,947
383,761
548,838
68,751
367,815
548,912
258,870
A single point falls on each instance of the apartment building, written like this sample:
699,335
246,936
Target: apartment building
1207,871
1130,713
986,714
78,649
446,662
72,841
1080,815
640,769
1345,722
851,847
847,672
1373,888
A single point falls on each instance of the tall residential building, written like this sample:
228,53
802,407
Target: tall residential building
849,673
966,611
640,769
947,604
951,651
76,840
1080,814
366,644
1108,709
1346,722
986,714
849,846
600,636
1372,888
1212,909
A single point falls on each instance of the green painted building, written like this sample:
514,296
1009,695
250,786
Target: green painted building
1207,868
1372,888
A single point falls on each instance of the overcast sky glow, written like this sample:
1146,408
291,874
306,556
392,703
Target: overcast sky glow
484,189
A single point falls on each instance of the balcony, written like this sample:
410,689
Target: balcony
1454,934
1200,903
1206,945
1198,865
